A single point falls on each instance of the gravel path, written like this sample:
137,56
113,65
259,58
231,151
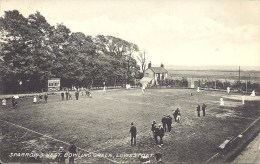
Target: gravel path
251,154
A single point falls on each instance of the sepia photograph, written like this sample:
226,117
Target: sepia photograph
130,81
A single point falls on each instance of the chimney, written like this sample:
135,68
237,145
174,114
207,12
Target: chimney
150,65
162,65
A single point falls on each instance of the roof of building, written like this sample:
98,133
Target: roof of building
146,80
54,79
159,70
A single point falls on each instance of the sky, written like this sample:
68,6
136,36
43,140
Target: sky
176,32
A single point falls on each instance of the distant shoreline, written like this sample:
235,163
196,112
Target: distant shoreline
210,68
249,75
256,71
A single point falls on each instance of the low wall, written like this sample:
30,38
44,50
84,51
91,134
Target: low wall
237,144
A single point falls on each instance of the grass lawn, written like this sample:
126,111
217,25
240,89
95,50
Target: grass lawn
101,124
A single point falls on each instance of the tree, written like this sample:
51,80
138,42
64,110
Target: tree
14,48
39,50
142,59
33,51
120,56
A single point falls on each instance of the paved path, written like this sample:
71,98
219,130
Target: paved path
251,154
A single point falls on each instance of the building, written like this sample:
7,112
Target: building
54,84
154,75
193,82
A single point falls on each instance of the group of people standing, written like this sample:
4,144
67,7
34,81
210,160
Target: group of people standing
158,131
14,102
69,96
176,115
35,100
167,122
40,96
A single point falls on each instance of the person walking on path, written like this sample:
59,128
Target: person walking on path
133,132
46,97
161,134
4,102
72,152
203,109
198,110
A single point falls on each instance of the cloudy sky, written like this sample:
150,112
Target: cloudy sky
176,32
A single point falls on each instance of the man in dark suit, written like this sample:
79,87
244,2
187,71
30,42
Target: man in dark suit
46,97
153,126
164,122
169,123
156,134
133,132
67,94
77,95
62,95
204,109
198,110
161,134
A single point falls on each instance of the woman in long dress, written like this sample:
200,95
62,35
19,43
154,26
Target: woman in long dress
243,99
253,93
34,99
221,102
228,90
